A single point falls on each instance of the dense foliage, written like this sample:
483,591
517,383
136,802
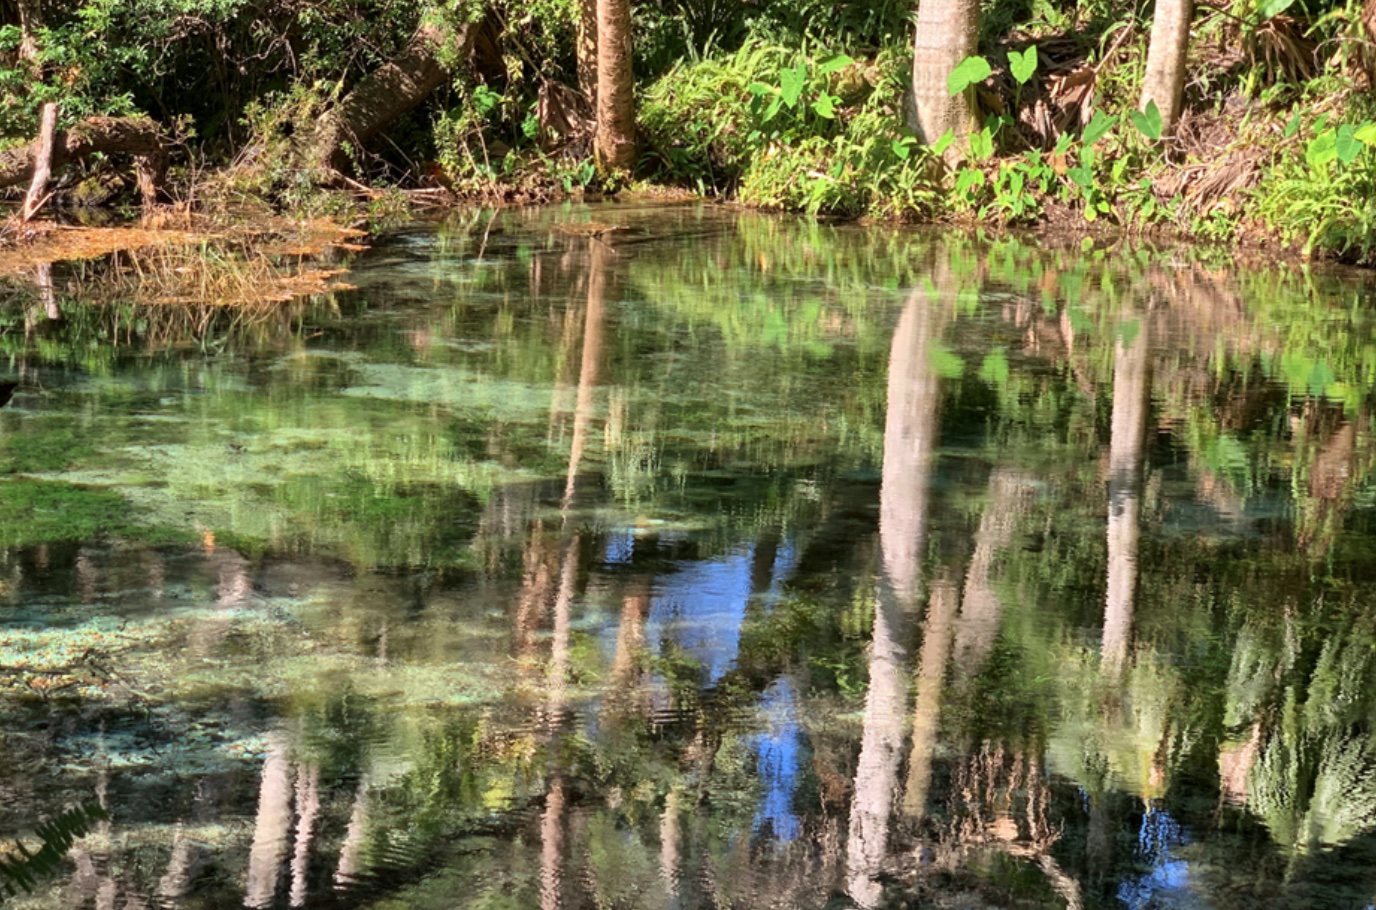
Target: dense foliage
796,105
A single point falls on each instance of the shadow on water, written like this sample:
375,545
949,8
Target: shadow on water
648,556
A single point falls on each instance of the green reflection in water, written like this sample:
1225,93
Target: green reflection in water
714,560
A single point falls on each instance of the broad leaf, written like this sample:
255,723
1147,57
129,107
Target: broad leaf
902,148
1346,144
1366,133
967,73
1292,126
1023,65
840,61
792,79
825,106
942,144
1322,149
1148,122
1271,8
1098,127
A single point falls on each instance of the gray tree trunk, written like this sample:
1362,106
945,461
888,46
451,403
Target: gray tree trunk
1164,82
947,32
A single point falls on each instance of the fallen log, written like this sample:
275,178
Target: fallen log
390,91
137,136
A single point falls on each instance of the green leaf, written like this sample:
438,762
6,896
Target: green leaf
902,148
825,106
1148,121
1271,8
1365,133
1023,65
968,179
1322,149
772,110
840,61
944,142
994,370
981,145
1346,144
1292,126
792,79
759,89
1098,126
967,73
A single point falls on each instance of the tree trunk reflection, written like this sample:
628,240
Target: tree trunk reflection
910,429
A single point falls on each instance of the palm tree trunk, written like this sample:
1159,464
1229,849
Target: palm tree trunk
614,147
1164,82
947,32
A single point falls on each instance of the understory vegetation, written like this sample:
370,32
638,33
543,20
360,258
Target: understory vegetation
786,104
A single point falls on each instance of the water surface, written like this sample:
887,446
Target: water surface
648,557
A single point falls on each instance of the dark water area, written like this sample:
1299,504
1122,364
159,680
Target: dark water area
675,557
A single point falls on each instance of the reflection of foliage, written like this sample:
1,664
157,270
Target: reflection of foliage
23,867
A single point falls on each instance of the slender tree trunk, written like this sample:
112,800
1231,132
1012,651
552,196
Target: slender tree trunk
947,32
614,147
1127,442
910,429
1164,82
43,151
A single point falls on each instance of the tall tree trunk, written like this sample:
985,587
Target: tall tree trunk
1164,82
947,32
392,90
910,428
614,147
1127,442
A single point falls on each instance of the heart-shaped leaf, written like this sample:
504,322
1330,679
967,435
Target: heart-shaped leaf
1023,65
791,82
1346,144
1322,149
967,73
1148,121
